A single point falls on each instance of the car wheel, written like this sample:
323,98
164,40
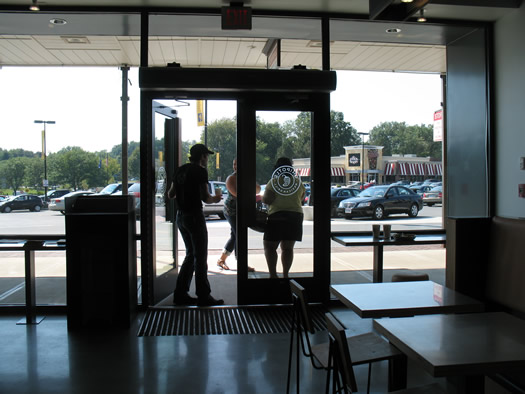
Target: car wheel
7,209
63,212
430,204
379,212
333,213
221,215
414,210
37,208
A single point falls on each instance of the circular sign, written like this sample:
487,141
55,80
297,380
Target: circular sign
284,181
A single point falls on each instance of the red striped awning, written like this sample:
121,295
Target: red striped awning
390,168
407,168
302,171
434,169
338,171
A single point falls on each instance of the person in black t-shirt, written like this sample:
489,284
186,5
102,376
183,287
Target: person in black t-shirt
189,188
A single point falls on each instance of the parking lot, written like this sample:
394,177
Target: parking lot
52,222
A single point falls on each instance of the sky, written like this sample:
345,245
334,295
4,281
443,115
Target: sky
85,104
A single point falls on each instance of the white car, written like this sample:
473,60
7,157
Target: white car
215,208
59,204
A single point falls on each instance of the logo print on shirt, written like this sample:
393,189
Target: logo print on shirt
284,181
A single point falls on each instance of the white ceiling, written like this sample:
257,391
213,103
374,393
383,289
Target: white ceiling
103,38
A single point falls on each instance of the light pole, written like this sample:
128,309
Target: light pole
44,153
362,134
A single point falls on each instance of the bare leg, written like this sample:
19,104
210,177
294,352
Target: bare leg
287,256
270,252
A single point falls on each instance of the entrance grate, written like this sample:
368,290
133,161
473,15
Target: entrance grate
224,320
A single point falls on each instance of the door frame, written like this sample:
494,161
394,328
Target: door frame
253,90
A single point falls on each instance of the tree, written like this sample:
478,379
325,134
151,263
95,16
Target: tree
134,164
222,139
400,138
270,144
299,131
341,134
13,171
34,174
72,166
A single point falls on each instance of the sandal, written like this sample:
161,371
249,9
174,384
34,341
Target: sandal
222,264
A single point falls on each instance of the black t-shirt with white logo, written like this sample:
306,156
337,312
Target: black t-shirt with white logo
188,180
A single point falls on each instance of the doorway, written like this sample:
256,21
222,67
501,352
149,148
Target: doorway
254,90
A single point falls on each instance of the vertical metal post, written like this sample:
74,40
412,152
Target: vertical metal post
44,153
124,100
30,283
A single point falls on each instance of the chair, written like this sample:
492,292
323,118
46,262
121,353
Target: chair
367,348
343,372
409,276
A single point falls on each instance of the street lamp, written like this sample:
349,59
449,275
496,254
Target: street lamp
44,153
362,134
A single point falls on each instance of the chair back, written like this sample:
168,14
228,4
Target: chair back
300,302
340,352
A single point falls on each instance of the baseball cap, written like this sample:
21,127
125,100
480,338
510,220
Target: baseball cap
200,149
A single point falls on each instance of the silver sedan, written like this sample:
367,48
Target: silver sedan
59,204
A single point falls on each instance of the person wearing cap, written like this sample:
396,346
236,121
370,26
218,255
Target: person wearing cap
189,188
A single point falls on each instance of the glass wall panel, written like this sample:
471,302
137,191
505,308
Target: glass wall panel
383,125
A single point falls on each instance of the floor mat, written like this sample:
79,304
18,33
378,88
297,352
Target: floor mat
224,320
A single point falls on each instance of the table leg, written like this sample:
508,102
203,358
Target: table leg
378,264
397,373
470,384
30,285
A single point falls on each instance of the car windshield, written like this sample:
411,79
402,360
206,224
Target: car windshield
373,192
10,198
109,189
134,188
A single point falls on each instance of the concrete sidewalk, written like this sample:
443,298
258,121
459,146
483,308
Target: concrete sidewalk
348,265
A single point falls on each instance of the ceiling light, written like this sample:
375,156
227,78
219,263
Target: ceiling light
34,6
421,16
407,1
394,30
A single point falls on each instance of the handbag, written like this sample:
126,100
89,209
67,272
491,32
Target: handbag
259,223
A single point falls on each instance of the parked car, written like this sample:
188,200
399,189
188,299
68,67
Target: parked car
378,202
113,188
429,181
54,194
133,190
433,196
25,201
339,194
59,204
420,189
215,208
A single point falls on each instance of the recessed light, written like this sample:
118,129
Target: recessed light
58,21
394,30
407,1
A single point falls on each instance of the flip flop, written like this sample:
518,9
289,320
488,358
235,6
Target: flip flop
222,264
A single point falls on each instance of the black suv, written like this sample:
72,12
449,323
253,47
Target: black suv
25,201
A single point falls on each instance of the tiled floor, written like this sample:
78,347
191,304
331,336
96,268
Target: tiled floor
46,358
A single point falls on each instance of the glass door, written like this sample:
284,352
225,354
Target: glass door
278,134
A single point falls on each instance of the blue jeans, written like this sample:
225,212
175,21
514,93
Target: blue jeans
192,227
230,244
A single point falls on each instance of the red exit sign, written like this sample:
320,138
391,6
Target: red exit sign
236,18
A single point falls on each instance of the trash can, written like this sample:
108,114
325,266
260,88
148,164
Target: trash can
101,261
